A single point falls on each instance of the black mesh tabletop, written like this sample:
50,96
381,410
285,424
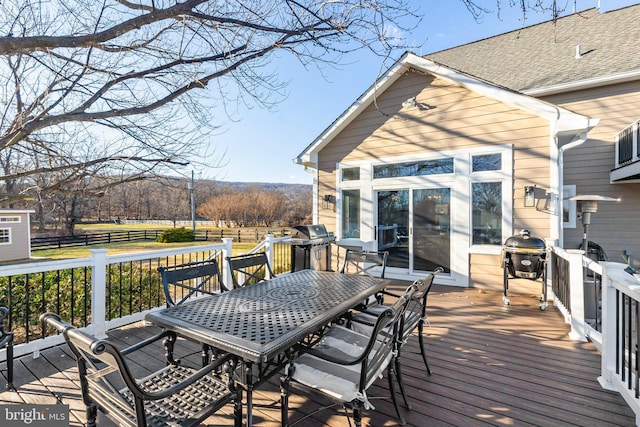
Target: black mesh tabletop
260,321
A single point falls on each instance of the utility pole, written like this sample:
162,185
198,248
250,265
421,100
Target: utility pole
193,205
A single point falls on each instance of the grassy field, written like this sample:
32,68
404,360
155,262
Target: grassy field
127,247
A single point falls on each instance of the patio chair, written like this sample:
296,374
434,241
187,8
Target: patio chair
191,279
6,340
346,363
249,269
415,316
364,263
174,395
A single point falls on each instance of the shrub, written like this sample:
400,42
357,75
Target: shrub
176,235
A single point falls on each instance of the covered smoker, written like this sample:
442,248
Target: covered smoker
524,256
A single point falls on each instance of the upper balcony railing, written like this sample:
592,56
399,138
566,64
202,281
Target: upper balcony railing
627,163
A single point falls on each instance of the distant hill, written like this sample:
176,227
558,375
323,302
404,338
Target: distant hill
285,188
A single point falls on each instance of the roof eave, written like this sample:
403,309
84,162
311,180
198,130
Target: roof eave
305,158
627,76
564,121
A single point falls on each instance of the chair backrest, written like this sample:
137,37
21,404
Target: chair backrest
365,263
183,281
6,337
154,399
384,337
249,269
417,307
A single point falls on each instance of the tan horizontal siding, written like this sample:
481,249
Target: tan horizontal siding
485,271
588,167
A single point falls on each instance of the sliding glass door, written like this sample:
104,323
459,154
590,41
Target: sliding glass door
414,227
392,231
431,239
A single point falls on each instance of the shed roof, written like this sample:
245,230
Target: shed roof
542,58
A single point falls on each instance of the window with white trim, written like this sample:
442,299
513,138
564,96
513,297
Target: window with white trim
487,199
568,206
10,219
5,236
351,214
486,208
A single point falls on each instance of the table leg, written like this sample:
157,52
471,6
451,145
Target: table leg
249,387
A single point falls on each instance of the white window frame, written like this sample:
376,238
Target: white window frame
4,230
12,219
568,191
505,177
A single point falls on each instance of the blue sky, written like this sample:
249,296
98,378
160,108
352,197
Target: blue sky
259,144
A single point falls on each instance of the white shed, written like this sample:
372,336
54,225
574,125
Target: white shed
15,234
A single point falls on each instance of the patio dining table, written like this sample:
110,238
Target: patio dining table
268,323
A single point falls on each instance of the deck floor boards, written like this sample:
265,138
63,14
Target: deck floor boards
493,365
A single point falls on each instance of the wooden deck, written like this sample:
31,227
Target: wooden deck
493,365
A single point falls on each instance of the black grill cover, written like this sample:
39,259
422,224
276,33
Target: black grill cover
311,231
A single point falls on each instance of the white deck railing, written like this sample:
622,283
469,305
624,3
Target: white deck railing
615,331
99,264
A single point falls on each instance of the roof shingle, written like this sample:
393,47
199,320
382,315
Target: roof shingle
544,55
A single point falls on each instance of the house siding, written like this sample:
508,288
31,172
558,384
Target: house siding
452,118
589,165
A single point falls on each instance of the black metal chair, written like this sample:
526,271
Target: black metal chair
184,281
415,317
174,395
346,363
249,269
6,340
189,280
365,263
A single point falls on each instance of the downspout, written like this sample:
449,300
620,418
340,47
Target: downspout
581,139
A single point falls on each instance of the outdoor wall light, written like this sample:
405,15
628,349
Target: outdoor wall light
529,196
532,194
328,201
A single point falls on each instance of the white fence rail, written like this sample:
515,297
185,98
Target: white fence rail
601,302
99,264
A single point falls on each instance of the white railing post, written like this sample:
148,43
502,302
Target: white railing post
99,292
576,290
227,251
268,249
608,358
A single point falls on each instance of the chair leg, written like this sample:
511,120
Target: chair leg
10,385
401,383
92,414
237,410
422,349
390,375
357,414
284,400
205,355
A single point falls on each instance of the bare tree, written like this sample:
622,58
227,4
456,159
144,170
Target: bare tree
127,87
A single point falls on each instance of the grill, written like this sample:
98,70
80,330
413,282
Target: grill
524,257
311,248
